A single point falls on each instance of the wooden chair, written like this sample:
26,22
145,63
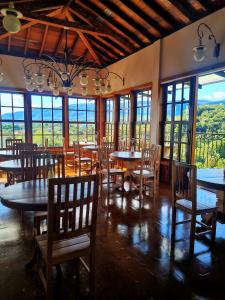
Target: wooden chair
107,172
81,163
75,198
69,156
146,173
10,143
23,147
188,198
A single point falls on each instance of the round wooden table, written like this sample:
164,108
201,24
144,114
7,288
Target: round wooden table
213,179
91,148
127,156
14,165
6,154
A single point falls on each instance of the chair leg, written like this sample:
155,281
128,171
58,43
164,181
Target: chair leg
49,284
192,236
173,232
140,193
214,217
92,274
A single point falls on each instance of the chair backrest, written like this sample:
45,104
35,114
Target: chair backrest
108,145
24,147
147,159
76,150
184,182
10,143
103,157
76,199
35,165
122,146
157,158
58,161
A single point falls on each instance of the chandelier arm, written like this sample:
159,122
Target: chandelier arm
52,61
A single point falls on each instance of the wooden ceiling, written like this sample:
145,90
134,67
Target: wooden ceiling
102,31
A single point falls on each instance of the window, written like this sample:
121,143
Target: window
47,120
143,115
109,126
178,99
124,126
12,116
82,116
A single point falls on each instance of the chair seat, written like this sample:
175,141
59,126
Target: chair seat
83,159
65,249
113,171
203,202
69,153
146,173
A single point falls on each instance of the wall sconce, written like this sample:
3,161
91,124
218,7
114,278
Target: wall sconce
200,50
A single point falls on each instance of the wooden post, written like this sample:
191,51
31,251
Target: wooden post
133,108
116,119
101,118
66,120
28,117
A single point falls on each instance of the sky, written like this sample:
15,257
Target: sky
212,92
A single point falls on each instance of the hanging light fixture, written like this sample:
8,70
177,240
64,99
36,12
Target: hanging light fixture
60,74
200,50
11,21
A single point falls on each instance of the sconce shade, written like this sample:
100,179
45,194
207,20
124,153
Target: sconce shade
11,23
199,53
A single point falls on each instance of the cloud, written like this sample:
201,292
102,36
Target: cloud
214,96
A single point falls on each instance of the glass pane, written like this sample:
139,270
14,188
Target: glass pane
81,104
47,115
178,94
82,132
183,153
139,114
47,101
19,130
50,140
18,113
144,114
176,132
57,129
90,116
36,114
58,140
169,112
57,114
72,103
167,132
82,116
73,129
37,139
90,104
6,99
47,128
178,112
35,101
57,102
185,111
175,151
169,94
166,153
18,100
184,133
7,129
6,113
73,116
186,91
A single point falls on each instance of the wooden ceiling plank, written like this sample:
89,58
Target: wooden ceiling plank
109,46
76,38
89,47
208,5
27,41
124,17
103,50
163,13
141,14
43,41
186,9
58,42
77,14
130,37
47,8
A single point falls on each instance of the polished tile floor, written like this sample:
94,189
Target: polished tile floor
132,257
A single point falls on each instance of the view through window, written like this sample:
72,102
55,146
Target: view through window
124,114
109,126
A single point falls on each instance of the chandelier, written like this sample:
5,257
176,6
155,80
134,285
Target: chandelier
60,74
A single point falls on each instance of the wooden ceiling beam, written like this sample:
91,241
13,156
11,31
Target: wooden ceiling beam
43,41
89,47
59,42
9,43
27,41
130,21
163,13
187,10
73,26
141,14
130,38
101,49
76,38
209,6
109,46
89,18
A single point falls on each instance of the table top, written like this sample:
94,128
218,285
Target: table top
30,195
211,178
6,154
91,148
14,165
126,155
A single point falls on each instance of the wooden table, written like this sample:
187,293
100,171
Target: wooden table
91,148
6,154
213,179
14,165
129,160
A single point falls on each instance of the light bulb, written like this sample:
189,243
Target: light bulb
55,91
40,79
97,91
84,79
28,79
70,92
97,81
51,85
64,76
103,88
84,91
1,77
30,87
40,88
109,87
199,53
11,23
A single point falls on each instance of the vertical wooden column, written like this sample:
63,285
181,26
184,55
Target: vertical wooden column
102,118
28,117
133,106
116,100
66,120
